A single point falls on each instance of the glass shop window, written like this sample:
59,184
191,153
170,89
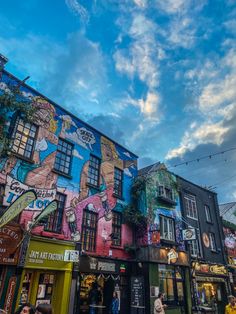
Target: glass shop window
171,284
45,288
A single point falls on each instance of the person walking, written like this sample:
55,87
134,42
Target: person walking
44,309
231,307
115,304
159,307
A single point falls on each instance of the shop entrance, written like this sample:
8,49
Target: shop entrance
106,287
212,296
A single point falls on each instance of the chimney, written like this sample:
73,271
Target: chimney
3,61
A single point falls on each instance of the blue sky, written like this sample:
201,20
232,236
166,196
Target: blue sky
157,76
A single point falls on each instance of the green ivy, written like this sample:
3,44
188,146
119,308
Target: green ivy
12,101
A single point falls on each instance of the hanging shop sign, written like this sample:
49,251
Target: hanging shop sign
208,268
10,238
189,234
47,254
71,256
17,207
205,239
164,256
15,188
172,256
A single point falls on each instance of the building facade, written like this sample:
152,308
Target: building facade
60,157
209,275
162,259
228,215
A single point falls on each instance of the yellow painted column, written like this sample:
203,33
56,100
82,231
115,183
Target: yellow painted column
62,292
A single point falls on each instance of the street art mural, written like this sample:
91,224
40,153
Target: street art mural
18,174
162,199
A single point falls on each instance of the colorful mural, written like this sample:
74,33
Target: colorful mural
17,174
162,199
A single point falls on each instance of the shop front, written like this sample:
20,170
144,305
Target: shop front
110,275
46,277
10,240
210,287
166,270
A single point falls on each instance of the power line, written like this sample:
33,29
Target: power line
186,163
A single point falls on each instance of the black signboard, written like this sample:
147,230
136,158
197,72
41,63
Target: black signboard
137,295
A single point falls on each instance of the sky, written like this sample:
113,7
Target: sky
159,77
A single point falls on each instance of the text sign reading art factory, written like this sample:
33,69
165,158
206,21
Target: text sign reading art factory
15,188
42,254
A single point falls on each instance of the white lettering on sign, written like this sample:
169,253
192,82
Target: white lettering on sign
40,257
14,188
106,266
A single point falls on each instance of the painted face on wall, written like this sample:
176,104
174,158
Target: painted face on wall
230,242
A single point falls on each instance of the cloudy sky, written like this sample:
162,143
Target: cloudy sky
157,76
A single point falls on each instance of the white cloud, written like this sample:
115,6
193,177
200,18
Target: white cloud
77,9
172,6
204,134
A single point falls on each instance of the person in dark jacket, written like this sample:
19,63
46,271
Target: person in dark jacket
44,309
94,298
26,308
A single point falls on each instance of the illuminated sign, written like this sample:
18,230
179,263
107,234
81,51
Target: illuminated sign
172,256
207,268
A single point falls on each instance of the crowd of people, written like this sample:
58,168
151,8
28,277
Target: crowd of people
27,308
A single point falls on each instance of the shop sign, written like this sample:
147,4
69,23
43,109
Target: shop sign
15,188
71,256
172,256
205,239
189,234
207,268
44,254
10,238
95,264
10,294
137,294
90,264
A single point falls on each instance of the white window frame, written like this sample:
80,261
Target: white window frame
208,213
168,234
191,206
194,248
212,239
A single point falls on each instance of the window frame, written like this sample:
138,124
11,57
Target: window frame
162,192
162,222
212,239
193,249
18,121
190,198
120,180
62,172
208,213
175,281
91,230
97,170
116,228
54,216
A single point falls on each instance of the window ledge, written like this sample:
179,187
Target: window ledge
52,234
209,222
96,187
29,160
118,247
62,174
118,196
214,251
196,219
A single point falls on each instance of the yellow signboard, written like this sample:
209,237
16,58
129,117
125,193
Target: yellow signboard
46,254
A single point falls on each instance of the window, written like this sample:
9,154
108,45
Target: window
208,213
94,171
165,192
24,137
167,228
193,248
89,229
212,241
54,221
191,206
63,157
116,228
171,284
118,182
